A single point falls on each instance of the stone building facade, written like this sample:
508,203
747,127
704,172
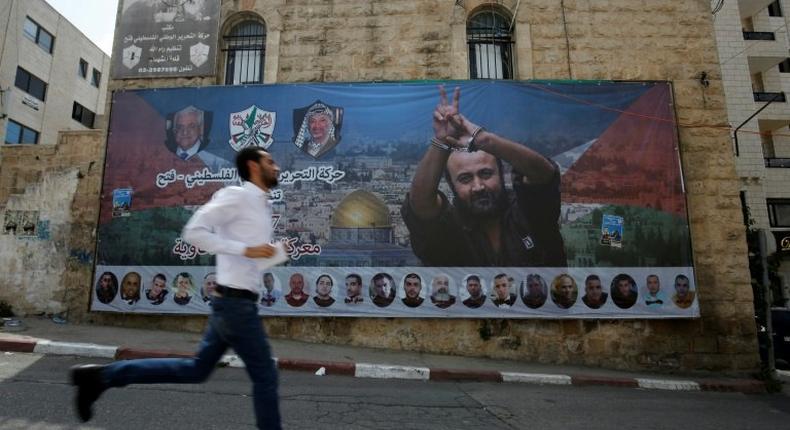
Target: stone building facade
395,40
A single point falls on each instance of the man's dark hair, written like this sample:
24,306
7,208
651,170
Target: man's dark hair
473,278
380,276
331,282
681,277
355,276
413,275
622,277
250,153
592,278
501,275
160,276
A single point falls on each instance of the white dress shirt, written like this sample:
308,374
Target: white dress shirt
234,219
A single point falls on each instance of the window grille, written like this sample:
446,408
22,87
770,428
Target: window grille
245,47
490,46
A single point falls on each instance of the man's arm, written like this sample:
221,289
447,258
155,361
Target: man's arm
423,196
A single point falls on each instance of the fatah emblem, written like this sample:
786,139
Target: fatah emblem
198,54
131,56
252,126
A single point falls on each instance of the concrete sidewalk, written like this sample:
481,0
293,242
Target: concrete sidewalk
43,336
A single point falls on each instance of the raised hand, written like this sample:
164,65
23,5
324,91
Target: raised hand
443,112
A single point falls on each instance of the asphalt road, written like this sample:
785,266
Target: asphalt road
35,394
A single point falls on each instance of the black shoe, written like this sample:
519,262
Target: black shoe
87,379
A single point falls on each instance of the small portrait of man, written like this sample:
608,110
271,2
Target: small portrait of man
624,291
130,287
564,291
209,285
158,291
683,297
501,294
323,291
441,292
296,296
654,297
534,291
106,287
271,291
474,287
594,295
412,290
186,132
317,128
183,288
382,290
353,289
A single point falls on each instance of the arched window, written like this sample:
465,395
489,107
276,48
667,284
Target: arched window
245,46
490,45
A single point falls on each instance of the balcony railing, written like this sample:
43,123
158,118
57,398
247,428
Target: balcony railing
767,97
778,162
759,35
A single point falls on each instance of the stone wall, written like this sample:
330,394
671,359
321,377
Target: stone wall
348,40
50,271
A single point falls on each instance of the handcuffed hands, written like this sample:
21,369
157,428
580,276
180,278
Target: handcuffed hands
449,125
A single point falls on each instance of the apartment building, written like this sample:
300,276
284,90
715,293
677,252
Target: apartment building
754,52
52,77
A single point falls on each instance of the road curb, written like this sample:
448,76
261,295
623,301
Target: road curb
17,345
390,371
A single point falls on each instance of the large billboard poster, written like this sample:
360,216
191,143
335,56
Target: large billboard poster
166,38
571,203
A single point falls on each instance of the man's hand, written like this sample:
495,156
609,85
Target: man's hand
461,130
260,251
443,112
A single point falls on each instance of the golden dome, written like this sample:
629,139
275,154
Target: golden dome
361,209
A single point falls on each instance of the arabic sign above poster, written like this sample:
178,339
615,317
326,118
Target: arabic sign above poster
163,38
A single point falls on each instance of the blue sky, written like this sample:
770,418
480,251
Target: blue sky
95,18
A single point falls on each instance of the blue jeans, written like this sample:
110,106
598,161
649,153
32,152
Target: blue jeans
234,323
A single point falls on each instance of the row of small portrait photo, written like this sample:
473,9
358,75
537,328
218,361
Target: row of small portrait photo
501,290
405,291
162,289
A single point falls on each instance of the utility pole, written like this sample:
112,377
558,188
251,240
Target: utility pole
766,285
